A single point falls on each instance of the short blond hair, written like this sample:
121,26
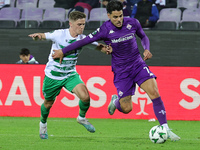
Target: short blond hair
75,15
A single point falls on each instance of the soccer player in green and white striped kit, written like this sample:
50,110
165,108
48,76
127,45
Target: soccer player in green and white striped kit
63,74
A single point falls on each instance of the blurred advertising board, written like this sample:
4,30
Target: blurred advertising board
21,93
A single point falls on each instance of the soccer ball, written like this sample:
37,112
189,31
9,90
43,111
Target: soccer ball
158,134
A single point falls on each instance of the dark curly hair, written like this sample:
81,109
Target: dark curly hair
114,5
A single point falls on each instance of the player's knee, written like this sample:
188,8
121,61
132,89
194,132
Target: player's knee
127,109
85,98
126,104
154,93
48,104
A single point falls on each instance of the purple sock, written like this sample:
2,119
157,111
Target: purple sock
117,105
159,110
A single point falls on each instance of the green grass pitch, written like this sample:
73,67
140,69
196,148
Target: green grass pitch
21,133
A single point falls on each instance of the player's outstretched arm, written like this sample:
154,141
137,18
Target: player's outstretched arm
147,54
37,36
107,49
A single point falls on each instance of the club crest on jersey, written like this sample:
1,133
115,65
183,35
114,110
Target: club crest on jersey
129,26
120,93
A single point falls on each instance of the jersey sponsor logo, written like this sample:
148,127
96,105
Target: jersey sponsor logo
122,39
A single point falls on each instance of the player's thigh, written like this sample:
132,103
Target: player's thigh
51,88
81,91
151,88
147,81
76,85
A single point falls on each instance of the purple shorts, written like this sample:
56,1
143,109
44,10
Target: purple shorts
126,82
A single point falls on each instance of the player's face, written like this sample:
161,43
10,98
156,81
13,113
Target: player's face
116,17
78,26
24,58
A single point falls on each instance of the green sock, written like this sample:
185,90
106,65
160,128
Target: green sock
84,106
44,114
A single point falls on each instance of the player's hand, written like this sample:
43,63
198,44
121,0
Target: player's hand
107,49
35,36
58,54
147,54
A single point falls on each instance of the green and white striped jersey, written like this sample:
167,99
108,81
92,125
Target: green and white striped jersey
60,39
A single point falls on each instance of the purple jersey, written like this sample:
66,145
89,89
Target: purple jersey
128,66
125,55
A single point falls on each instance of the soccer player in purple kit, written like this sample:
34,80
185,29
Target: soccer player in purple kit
127,64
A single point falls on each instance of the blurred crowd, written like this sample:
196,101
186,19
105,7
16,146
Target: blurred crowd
148,12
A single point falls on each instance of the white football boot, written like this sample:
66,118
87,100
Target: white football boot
172,135
43,130
86,124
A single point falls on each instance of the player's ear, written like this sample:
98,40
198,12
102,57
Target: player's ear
108,14
70,23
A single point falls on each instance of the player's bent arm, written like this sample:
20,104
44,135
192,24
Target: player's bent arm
37,36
